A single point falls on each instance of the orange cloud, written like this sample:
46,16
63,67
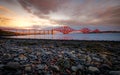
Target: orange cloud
5,21
6,11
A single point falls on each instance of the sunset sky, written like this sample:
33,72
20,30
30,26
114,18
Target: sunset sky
104,14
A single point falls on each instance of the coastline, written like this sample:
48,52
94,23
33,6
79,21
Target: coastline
4,37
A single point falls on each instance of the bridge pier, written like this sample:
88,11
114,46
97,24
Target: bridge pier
39,31
29,32
51,32
16,32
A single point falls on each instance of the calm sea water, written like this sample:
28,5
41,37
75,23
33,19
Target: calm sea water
100,36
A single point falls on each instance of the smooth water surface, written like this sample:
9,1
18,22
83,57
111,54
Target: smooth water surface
98,36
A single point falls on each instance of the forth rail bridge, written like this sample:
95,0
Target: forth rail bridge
63,29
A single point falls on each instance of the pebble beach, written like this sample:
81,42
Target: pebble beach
59,57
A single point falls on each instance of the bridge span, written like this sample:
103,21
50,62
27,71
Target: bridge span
63,29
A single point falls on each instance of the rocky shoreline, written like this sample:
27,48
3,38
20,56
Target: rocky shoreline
59,57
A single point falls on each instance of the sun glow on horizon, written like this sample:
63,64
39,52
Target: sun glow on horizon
27,22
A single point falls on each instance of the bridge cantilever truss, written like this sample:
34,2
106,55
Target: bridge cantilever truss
64,29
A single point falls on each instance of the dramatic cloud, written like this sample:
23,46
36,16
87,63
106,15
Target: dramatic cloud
8,18
61,12
110,16
5,18
5,10
75,12
41,7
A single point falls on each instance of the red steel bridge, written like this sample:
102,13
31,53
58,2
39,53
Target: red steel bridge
63,29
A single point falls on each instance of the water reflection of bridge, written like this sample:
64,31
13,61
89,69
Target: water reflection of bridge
31,32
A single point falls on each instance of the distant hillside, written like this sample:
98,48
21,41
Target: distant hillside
106,32
6,33
111,31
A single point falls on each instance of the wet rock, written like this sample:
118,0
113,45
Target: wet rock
40,66
6,56
28,68
2,65
96,59
88,59
18,73
38,53
33,56
79,66
55,68
114,73
74,68
105,67
118,58
16,59
93,69
14,65
104,56
22,57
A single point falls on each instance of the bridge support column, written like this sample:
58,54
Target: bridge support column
48,31
52,32
44,32
39,32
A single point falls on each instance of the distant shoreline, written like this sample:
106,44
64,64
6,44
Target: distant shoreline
9,33
58,40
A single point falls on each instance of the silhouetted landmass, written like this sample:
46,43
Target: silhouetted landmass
106,32
110,31
6,33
